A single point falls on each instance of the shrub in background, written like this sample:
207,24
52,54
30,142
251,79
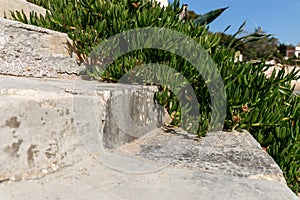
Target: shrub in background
264,106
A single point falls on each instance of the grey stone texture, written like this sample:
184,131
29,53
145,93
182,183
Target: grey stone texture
51,148
32,51
92,179
225,153
49,124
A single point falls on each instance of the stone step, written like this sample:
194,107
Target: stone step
225,153
221,166
48,124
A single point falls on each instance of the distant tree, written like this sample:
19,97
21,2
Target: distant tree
264,48
282,49
225,39
192,15
254,46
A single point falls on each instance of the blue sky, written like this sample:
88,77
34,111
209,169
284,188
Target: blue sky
278,17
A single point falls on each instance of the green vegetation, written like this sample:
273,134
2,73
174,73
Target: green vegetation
259,46
254,46
209,17
265,107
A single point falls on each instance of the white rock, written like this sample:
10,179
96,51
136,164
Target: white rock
163,3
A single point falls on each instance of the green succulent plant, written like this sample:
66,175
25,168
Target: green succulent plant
208,17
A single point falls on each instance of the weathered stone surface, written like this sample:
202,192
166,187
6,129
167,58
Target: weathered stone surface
49,124
9,5
27,50
225,153
92,180
56,126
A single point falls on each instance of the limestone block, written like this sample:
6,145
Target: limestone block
9,5
27,50
91,179
46,125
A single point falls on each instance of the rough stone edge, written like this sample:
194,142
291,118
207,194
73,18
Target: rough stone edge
29,27
19,5
16,92
63,52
